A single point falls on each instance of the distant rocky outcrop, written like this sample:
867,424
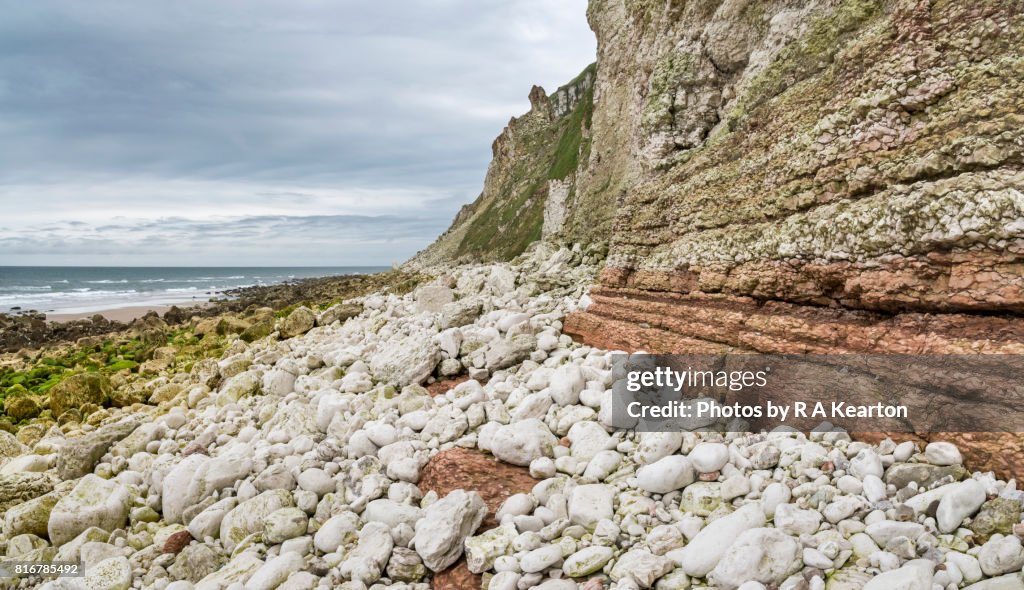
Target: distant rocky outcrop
535,186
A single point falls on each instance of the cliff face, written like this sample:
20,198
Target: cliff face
812,177
834,175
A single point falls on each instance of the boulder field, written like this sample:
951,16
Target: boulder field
322,461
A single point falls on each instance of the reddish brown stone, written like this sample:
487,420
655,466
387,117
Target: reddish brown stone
442,386
632,319
470,469
177,542
457,577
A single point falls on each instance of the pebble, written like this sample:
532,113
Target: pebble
942,454
958,504
665,475
540,558
709,457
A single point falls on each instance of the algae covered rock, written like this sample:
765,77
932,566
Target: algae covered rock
338,313
247,518
239,386
194,563
20,404
231,325
701,498
78,390
587,561
129,394
996,516
30,517
482,550
260,329
281,525
297,323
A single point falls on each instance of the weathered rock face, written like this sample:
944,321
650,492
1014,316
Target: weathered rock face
858,156
814,177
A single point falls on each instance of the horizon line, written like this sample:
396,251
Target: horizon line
197,266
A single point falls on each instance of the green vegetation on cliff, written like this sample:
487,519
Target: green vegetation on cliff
547,144
574,141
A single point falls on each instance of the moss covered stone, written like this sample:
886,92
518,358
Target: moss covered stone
298,322
20,405
78,390
259,330
996,516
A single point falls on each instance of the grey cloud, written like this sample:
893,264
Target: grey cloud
318,240
296,108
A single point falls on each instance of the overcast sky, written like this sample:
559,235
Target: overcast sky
256,132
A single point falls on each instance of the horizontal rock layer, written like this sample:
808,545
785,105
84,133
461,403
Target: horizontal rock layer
666,322
669,322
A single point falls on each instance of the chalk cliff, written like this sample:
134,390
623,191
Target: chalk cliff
840,176
779,176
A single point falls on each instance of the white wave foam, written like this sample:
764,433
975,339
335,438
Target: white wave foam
28,288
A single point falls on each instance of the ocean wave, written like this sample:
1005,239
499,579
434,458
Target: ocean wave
82,293
107,282
87,300
27,288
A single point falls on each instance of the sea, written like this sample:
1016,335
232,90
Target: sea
87,289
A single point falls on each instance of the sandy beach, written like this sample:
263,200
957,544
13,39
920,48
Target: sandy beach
118,314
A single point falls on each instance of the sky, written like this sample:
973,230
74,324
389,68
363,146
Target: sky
256,132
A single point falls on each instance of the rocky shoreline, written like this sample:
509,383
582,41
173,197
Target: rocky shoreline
454,436
29,330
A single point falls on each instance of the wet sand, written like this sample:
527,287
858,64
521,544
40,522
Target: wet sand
118,314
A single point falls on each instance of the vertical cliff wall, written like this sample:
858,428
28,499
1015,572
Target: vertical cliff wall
833,176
